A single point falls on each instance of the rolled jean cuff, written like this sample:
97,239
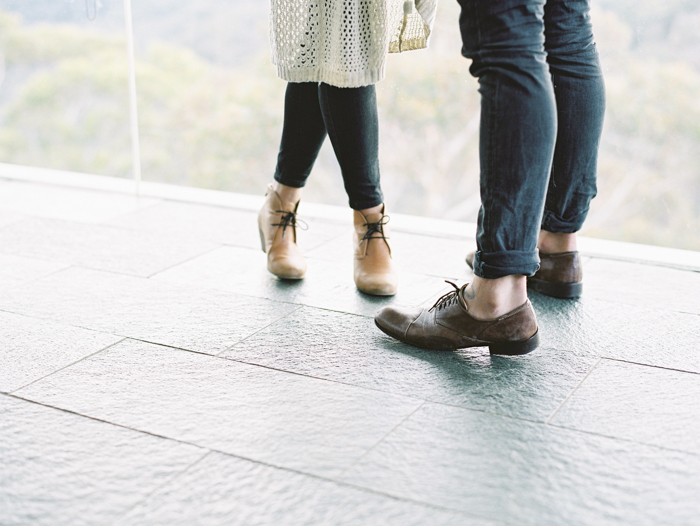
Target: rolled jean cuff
554,224
496,265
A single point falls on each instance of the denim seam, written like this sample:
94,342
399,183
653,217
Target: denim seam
493,132
552,183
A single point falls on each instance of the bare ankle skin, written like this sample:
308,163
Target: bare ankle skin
556,243
374,210
288,194
490,298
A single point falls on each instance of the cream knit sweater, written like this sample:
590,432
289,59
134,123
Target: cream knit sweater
340,42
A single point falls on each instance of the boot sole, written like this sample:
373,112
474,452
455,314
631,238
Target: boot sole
289,278
262,240
376,293
565,291
500,348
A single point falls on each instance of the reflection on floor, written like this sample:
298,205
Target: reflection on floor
153,372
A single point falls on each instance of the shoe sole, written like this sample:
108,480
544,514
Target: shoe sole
376,293
516,348
287,278
262,240
567,291
500,348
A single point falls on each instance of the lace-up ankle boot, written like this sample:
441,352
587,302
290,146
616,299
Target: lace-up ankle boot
277,222
374,269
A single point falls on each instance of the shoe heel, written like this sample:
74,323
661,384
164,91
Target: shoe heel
515,348
262,240
567,291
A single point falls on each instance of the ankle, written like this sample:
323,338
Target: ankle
487,299
374,210
556,242
288,194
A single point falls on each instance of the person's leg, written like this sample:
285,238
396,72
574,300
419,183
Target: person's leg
580,94
505,40
350,116
303,134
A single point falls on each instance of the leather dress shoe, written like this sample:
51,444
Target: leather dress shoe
277,223
447,325
560,275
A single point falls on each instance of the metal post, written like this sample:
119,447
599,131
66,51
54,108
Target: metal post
135,150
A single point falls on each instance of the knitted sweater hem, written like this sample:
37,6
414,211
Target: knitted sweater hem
334,78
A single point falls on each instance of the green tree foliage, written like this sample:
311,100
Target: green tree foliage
649,170
64,105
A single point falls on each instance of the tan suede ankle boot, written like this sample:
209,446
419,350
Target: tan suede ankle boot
278,235
374,269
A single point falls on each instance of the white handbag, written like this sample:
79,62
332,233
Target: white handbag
411,33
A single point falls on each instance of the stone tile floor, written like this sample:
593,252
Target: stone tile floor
153,372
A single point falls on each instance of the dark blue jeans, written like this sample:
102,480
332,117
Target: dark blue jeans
349,117
542,105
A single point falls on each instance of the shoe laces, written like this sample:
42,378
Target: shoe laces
447,299
376,227
289,219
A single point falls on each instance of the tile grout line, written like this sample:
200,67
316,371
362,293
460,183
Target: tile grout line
107,222
645,262
33,280
69,365
80,265
369,450
423,402
165,483
197,200
626,440
641,306
334,381
186,260
662,367
547,422
299,307
262,366
63,323
247,459
305,375
368,388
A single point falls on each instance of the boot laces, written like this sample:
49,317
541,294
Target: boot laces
289,219
376,227
448,299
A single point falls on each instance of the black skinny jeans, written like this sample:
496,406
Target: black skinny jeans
542,105
349,117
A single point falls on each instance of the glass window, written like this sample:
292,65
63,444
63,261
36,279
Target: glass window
649,169
63,86
211,107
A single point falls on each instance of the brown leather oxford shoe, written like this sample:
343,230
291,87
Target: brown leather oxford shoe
560,275
447,326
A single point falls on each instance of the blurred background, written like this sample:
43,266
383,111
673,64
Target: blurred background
210,107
